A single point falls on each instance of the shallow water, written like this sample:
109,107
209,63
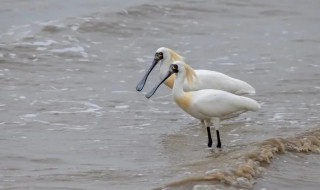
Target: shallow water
303,170
71,118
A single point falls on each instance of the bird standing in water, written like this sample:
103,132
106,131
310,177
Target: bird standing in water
207,105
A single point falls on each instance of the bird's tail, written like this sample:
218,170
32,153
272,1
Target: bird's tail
251,104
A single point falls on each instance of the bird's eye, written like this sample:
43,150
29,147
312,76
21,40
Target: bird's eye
174,68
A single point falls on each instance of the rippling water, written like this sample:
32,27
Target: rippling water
71,118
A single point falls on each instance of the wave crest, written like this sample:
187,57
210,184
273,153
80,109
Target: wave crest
255,162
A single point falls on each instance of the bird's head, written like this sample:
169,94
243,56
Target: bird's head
162,54
167,54
178,68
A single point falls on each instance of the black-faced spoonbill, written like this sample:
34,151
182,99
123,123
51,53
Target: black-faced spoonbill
206,79
207,105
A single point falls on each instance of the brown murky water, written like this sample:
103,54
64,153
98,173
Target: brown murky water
71,118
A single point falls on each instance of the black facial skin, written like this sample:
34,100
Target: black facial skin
157,57
173,69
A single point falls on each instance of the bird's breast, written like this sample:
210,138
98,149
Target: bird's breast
184,101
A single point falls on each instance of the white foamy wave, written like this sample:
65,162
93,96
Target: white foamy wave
227,64
122,92
77,49
88,107
38,43
135,126
44,43
159,111
29,115
76,128
122,107
234,134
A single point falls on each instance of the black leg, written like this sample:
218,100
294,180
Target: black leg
209,137
218,138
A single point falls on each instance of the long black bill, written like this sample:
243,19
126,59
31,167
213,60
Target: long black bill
141,84
151,93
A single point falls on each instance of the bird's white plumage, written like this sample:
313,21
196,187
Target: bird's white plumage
209,103
217,103
206,79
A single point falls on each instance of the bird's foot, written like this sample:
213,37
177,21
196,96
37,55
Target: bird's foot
210,144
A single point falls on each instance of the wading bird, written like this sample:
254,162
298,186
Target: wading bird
207,105
206,79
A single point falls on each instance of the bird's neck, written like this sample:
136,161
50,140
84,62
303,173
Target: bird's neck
182,99
177,90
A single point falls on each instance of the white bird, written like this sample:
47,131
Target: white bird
207,105
206,79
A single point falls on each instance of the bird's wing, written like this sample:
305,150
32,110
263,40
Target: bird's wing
215,80
217,103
